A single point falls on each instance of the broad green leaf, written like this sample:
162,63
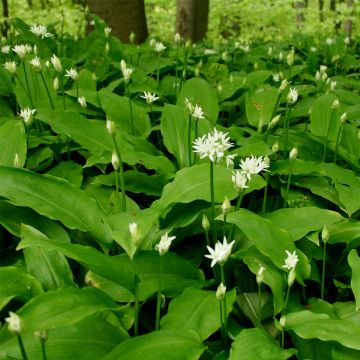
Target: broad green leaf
273,277
198,91
260,105
354,262
121,111
256,344
54,198
345,231
256,77
50,267
297,167
15,284
269,239
160,345
12,143
349,197
309,325
68,170
110,267
324,121
174,129
298,222
59,308
196,310
343,353
313,349
12,217
77,341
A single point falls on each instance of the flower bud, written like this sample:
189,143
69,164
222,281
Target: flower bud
132,37
275,147
82,102
177,38
335,105
260,275
283,85
135,234
220,292
325,234
343,117
274,121
56,63
205,223
291,277
226,206
56,84
282,321
17,161
115,161
41,335
110,127
293,153
107,31
14,323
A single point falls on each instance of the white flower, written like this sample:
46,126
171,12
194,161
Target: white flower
335,104
150,98
323,69
82,101
35,62
292,96
332,85
230,160
177,38
221,252
347,40
107,31
291,260
21,50
72,73
163,246
213,145
270,51
220,292
253,165
313,49
260,275
276,77
110,127
5,49
14,323
239,179
27,115
329,41
159,47
40,31
197,112
125,70
135,233
115,161
56,63
290,57
10,66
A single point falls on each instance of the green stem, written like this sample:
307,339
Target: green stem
22,348
158,299
77,90
259,304
47,90
265,193
131,111
286,130
43,350
237,207
117,191
287,188
337,143
286,300
212,195
27,85
176,69
323,273
222,271
224,226
189,140
122,177
327,136
158,73
63,91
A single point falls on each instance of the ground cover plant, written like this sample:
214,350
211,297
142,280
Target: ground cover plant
178,201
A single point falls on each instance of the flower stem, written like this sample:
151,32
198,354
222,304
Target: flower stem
284,313
265,193
212,196
27,85
122,178
337,143
259,304
224,317
47,90
63,91
43,350
286,130
323,273
189,140
287,188
117,191
237,207
131,111
22,348
158,299
224,226
327,135
176,69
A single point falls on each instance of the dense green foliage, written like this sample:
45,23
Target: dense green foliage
95,177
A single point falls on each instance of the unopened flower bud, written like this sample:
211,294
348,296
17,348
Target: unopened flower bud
110,127
177,38
260,275
56,84
275,147
335,105
291,277
115,161
220,292
132,37
205,223
282,321
283,85
135,234
325,234
226,206
343,117
274,121
41,335
293,153
17,161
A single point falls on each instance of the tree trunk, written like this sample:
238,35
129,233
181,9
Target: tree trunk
321,10
299,6
348,22
192,19
5,6
123,16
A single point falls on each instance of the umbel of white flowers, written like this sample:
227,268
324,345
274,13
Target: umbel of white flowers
149,98
163,246
220,253
14,323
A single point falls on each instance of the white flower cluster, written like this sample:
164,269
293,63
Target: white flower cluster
40,31
126,71
213,145
149,98
221,252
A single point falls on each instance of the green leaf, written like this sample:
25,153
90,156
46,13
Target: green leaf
12,142
15,284
174,125
309,325
68,170
349,197
269,239
110,267
354,262
324,121
54,198
77,341
118,109
160,345
343,353
298,222
59,308
256,344
196,310
198,91
260,105
48,266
